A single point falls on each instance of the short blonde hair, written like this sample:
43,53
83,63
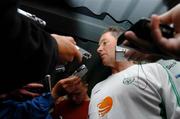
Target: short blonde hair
115,31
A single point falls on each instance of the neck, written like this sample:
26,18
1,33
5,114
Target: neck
120,66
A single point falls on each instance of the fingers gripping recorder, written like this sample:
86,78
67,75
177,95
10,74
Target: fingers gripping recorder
142,29
81,71
84,53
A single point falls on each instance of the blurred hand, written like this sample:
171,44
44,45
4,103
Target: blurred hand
170,47
24,93
71,85
66,48
80,94
140,44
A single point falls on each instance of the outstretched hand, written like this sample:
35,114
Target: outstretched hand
169,47
66,48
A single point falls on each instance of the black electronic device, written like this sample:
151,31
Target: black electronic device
81,71
84,53
142,30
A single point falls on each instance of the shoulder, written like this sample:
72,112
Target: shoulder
156,67
153,65
98,86
156,70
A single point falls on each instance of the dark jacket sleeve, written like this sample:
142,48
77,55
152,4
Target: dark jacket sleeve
28,53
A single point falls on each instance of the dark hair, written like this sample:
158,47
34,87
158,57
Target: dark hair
115,31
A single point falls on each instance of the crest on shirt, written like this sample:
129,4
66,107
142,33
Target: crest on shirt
136,81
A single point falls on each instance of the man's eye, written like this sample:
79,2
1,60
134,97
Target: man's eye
104,43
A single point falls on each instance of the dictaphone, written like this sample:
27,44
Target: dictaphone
81,71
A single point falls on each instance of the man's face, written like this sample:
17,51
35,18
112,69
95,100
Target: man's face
106,49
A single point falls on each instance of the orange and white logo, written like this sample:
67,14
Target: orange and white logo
105,106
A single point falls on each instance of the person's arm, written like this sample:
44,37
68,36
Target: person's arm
37,108
29,53
169,47
29,91
169,92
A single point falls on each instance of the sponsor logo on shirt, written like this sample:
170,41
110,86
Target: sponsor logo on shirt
105,106
136,81
170,66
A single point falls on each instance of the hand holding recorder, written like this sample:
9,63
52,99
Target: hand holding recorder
158,43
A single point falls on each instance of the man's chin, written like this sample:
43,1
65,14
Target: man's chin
105,63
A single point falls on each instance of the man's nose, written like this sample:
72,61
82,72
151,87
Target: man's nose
99,49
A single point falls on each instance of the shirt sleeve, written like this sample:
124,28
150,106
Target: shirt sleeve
170,95
37,108
28,52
